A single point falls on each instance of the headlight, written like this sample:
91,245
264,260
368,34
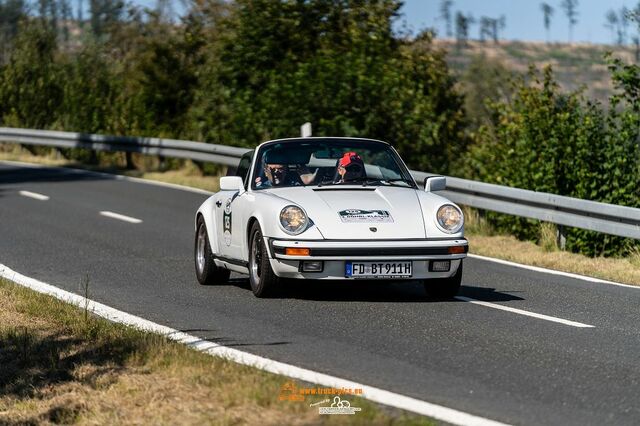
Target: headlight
293,219
450,218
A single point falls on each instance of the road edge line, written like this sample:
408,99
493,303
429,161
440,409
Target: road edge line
551,271
525,313
370,393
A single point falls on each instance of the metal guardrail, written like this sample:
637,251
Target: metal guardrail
567,211
561,210
198,151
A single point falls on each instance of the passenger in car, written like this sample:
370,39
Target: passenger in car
350,167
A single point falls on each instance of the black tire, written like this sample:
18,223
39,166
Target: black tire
264,282
444,288
206,270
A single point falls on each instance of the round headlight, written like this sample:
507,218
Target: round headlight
450,218
293,219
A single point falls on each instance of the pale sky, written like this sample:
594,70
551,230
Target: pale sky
523,17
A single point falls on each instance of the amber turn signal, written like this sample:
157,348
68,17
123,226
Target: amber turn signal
457,250
295,251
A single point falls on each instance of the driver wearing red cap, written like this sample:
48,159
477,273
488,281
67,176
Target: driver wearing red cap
350,167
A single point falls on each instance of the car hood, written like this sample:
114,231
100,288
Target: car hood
349,213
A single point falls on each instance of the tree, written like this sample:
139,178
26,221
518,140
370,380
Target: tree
463,22
164,10
338,65
624,25
445,13
11,13
66,16
498,25
105,13
80,17
612,24
30,91
485,28
570,8
547,13
634,16
48,13
491,27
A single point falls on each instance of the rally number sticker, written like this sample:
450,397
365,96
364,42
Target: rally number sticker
226,222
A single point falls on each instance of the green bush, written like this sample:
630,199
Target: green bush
545,140
30,89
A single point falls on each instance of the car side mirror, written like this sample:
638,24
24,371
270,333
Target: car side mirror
435,183
231,183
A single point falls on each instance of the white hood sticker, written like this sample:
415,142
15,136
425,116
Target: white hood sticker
365,216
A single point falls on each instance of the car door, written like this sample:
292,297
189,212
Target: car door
229,215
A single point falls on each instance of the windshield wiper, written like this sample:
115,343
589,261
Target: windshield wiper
391,181
326,180
363,179
366,181
387,182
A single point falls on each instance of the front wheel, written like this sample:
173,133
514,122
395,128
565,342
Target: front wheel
444,288
264,282
207,271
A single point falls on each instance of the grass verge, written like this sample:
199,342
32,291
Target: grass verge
546,254
188,174
61,365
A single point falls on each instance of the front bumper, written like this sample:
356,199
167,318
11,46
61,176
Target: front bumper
334,255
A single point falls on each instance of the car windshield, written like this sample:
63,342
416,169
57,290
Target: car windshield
324,162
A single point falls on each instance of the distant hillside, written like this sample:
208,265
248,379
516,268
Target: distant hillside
575,65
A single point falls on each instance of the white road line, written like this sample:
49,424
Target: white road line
371,393
34,195
526,313
552,271
120,217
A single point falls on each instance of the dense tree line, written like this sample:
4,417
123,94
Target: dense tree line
235,73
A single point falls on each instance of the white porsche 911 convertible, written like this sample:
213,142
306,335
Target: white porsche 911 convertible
329,209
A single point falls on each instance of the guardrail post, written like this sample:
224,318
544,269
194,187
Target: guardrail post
561,237
128,159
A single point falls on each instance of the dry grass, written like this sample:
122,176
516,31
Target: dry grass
188,175
483,240
62,367
548,239
146,167
14,152
625,270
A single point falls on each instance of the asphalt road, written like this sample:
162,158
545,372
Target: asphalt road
489,362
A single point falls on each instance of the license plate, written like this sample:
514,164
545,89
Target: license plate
378,269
